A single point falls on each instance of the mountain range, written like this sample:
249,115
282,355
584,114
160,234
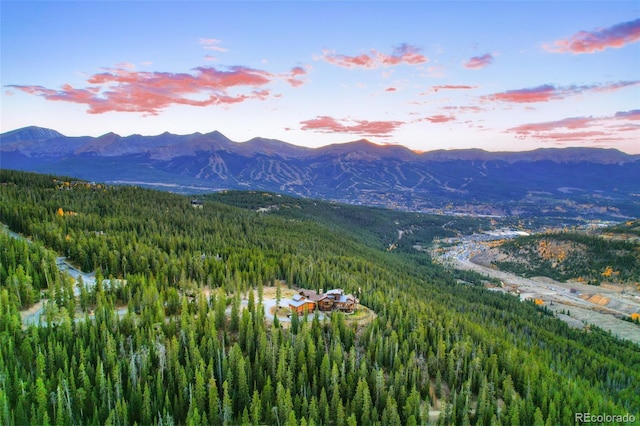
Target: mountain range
586,182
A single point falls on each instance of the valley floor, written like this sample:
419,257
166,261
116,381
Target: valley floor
579,305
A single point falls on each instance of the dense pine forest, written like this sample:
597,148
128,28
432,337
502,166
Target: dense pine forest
175,330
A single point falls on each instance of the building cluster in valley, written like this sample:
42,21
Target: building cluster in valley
72,184
307,301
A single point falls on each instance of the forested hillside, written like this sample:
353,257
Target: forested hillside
630,228
457,354
565,256
375,227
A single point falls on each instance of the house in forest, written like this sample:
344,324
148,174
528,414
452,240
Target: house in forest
301,305
342,302
332,300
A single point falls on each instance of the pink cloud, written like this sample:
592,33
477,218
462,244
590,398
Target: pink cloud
125,90
596,41
439,118
390,89
294,76
403,54
535,94
326,124
549,92
478,62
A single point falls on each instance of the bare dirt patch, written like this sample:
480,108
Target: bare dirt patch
596,299
271,292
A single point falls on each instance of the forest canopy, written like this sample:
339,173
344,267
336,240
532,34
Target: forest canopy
186,351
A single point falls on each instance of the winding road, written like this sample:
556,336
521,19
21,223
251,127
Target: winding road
33,314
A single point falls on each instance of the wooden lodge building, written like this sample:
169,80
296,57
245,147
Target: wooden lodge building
301,305
333,300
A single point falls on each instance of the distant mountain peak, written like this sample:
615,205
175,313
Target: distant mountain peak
30,133
365,150
109,135
215,134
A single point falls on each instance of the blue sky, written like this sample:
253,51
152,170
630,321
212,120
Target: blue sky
428,75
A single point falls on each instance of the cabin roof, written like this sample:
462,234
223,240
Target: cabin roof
298,303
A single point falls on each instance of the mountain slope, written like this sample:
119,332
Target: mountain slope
572,181
176,344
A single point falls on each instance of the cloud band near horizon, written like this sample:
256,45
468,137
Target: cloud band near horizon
327,124
582,129
403,54
548,92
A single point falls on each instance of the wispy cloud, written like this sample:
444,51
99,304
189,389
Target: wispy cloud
403,54
614,86
327,124
212,44
126,65
465,108
550,92
478,62
586,136
125,90
615,36
583,129
452,87
566,123
436,89
436,71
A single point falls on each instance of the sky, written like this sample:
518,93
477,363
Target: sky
499,76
